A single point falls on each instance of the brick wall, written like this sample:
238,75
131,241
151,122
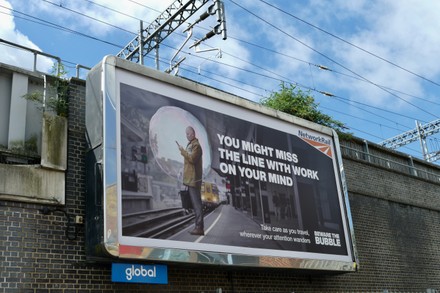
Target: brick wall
396,219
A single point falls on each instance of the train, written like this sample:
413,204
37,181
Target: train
210,196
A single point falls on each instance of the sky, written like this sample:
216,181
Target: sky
378,59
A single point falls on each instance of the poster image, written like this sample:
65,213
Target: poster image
267,187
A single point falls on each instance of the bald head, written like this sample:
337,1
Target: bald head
190,133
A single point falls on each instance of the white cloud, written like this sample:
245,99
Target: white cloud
403,32
12,55
99,17
61,14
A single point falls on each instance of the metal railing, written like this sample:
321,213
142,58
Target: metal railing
78,67
36,53
387,163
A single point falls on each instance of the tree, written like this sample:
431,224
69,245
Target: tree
294,101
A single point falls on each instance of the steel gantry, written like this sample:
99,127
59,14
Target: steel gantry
421,132
166,23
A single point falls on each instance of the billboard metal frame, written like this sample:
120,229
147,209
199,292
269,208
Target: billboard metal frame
104,220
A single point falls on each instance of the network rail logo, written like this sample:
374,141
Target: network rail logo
320,143
136,273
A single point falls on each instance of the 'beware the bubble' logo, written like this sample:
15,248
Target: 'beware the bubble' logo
327,239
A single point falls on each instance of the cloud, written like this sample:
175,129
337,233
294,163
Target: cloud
403,33
99,17
12,55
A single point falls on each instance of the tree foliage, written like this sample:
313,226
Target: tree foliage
294,101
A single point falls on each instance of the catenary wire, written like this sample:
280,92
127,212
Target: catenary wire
87,16
330,59
345,100
273,51
113,10
184,68
143,5
287,80
349,43
232,85
68,30
325,68
56,26
262,47
235,67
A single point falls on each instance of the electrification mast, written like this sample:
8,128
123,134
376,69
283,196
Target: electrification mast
421,132
166,23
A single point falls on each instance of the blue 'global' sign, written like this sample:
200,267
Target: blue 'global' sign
136,273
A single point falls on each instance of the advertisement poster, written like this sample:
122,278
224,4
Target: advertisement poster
266,187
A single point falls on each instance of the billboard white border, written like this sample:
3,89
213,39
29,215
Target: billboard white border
116,70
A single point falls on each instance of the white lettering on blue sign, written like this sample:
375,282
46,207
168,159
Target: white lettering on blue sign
135,273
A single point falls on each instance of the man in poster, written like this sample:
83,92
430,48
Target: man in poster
192,176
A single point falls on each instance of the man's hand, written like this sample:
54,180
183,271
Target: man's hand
181,149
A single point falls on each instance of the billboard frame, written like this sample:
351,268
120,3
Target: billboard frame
103,120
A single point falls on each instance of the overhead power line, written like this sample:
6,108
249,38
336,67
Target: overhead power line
330,59
40,21
322,67
237,82
113,10
316,65
351,44
87,16
280,78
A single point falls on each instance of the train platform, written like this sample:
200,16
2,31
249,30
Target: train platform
226,226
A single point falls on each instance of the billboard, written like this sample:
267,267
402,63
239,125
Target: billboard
193,174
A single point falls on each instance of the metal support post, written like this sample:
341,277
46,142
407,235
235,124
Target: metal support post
421,136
